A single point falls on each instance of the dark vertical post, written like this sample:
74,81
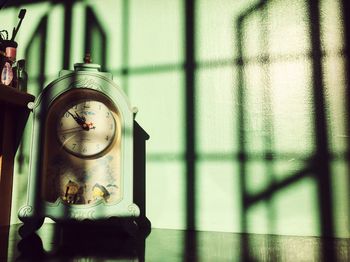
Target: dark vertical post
190,127
322,150
322,157
346,17
68,6
240,122
190,109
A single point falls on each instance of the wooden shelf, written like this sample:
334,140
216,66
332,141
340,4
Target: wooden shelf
13,117
14,97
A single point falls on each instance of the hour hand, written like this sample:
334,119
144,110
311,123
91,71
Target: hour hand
74,117
80,120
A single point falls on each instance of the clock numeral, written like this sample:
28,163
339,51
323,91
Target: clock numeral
63,137
86,104
66,114
107,138
107,114
84,150
74,145
76,107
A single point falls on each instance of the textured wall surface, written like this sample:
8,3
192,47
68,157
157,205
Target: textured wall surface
245,103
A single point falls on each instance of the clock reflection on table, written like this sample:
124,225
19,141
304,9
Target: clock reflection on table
81,243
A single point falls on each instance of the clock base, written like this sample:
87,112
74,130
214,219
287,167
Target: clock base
130,226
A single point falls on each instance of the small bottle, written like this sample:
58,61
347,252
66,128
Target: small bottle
22,76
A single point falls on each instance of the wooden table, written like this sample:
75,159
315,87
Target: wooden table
13,116
74,244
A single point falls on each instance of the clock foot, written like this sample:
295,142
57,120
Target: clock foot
144,226
30,225
131,227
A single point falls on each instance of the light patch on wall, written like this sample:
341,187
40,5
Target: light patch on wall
217,196
254,109
161,98
340,197
252,35
165,195
332,31
215,34
296,209
257,218
156,32
287,27
215,110
289,166
33,64
292,107
54,45
257,176
335,94
9,20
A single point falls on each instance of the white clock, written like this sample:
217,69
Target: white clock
87,155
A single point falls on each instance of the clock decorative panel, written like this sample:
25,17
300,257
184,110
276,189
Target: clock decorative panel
82,155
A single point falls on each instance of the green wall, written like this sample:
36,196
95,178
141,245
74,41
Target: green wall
256,111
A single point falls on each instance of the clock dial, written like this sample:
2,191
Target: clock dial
86,128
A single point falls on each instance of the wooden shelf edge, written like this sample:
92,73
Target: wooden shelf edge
14,97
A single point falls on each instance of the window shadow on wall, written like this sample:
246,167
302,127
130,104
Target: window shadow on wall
318,165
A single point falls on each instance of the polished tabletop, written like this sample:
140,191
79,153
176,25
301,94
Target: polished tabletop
54,243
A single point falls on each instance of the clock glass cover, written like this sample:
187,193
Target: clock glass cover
86,128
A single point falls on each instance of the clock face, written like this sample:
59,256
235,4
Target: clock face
86,128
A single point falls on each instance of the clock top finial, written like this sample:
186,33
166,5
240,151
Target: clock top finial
87,58
87,65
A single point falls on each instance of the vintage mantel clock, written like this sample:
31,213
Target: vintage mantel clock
87,153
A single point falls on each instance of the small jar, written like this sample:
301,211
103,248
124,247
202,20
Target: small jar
8,76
